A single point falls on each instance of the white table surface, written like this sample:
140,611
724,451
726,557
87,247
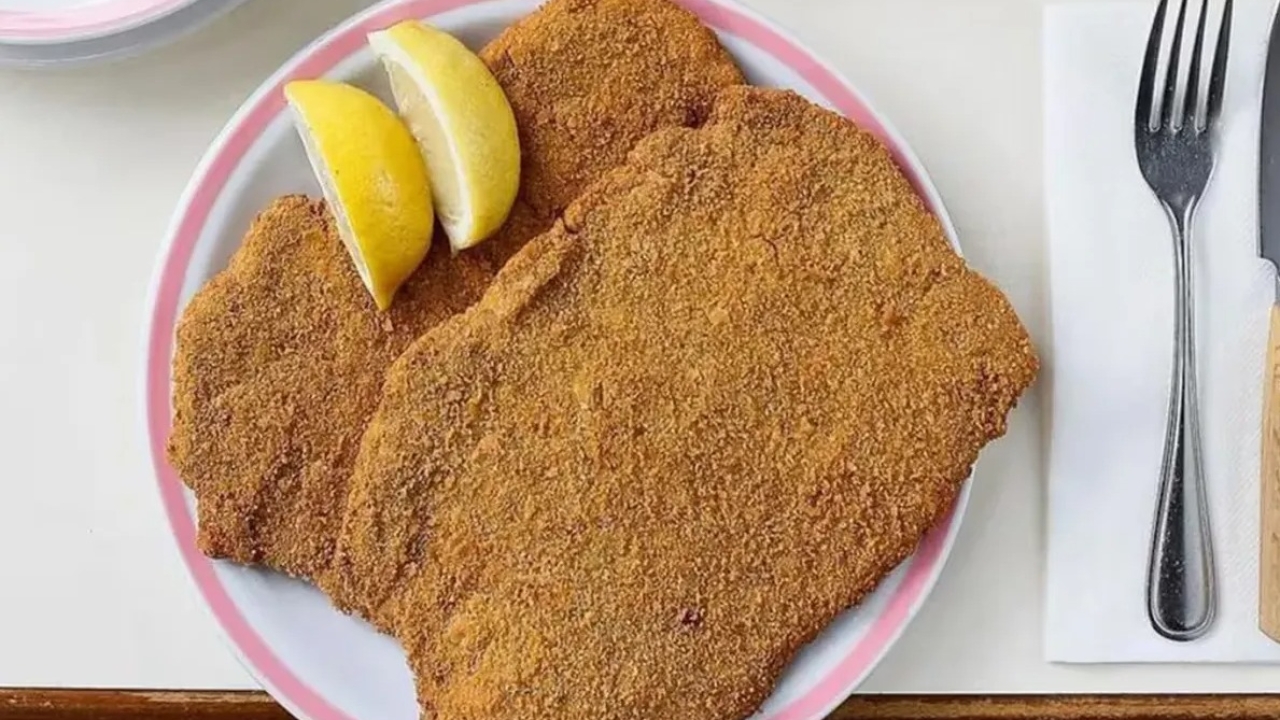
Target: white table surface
92,161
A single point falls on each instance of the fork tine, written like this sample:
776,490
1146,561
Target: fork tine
1173,118
1218,76
1147,80
1190,107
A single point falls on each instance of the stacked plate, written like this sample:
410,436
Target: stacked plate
55,32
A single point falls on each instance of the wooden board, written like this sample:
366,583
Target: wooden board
141,705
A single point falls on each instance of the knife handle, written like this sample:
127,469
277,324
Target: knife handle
1269,532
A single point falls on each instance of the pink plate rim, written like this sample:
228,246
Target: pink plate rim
80,23
207,184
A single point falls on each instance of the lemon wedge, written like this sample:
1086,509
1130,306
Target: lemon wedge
463,123
373,178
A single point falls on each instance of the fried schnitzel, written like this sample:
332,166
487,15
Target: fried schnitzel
684,429
632,67
279,366
588,79
280,357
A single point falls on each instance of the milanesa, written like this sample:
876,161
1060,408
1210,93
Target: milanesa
280,358
683,429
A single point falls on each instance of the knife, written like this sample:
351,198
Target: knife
1269,249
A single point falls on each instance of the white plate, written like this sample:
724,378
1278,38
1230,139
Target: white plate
321,664
62,32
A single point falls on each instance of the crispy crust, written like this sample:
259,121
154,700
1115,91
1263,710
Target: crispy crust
280,357
279,364
589,78
684,429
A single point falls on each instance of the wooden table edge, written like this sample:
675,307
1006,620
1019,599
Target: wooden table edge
70,704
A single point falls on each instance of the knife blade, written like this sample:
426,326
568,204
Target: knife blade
1269,249
1269,153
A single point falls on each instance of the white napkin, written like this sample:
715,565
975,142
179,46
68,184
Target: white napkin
1111,300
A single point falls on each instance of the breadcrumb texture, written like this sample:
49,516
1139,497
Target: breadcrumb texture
587,79
279,365
684,429
280,358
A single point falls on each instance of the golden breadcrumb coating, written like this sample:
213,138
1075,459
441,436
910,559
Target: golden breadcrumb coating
587,79
681,432
279,364
280,359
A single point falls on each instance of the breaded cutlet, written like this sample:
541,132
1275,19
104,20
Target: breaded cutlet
684,429
587,79
280,357
279,365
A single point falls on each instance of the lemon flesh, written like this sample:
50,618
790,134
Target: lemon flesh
463,123
373,177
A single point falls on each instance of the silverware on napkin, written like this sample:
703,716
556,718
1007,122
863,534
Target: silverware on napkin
1175,142
1269,249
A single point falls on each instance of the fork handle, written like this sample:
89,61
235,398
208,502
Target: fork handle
1181,600
1269,531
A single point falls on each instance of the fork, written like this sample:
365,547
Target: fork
1175,145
